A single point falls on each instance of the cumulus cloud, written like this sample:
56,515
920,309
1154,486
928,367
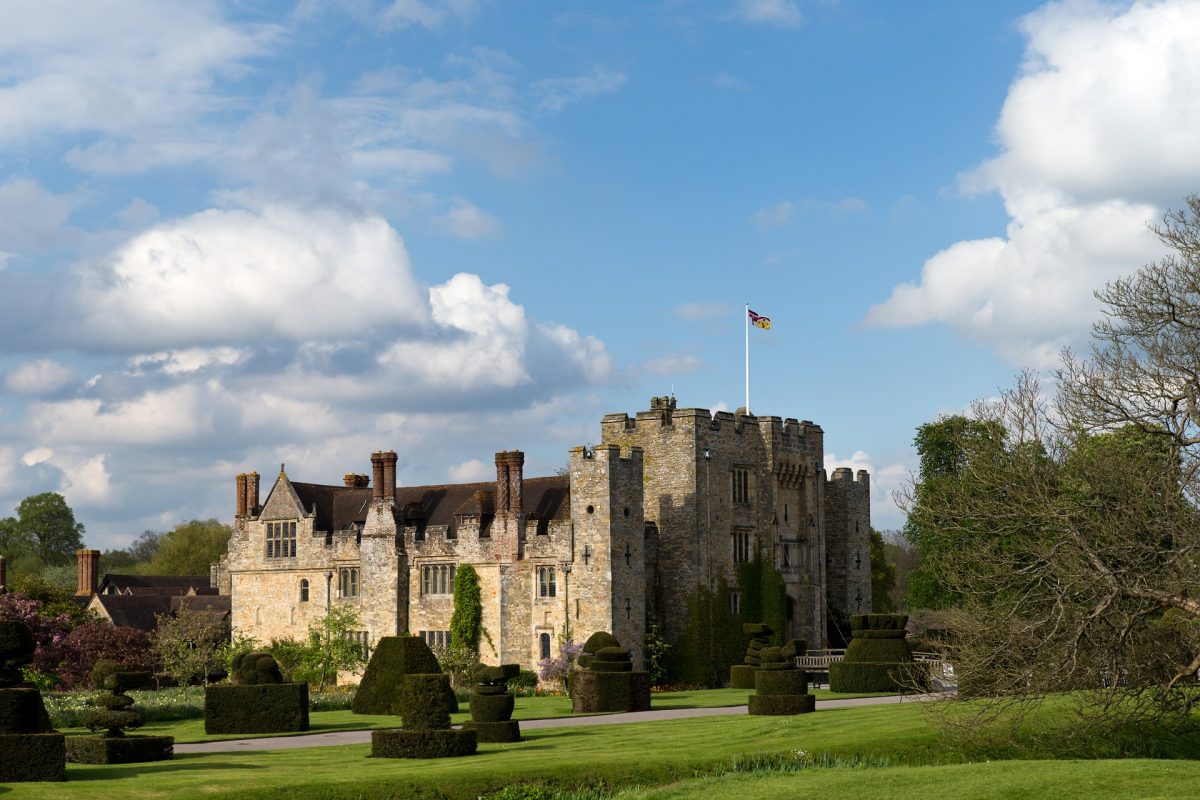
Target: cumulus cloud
472,471
221,277
31,218
193,359
780,13
42,376
1098,138
467,221
156,417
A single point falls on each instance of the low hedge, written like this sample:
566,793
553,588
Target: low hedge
400,743
508,730
491,707
32,757
781,704
847,676
382,684
598,692
267,708
781,682
741,676
119,749
877,650
425,704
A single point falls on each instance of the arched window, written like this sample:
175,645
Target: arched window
304,590
544,641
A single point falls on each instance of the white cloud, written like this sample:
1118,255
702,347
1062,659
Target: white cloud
587,353
557,93
156,417
773,216
226,276
472,471
42,376
87,483
194,359
1098,138
122,69
37,455
673,364
467,221
780,13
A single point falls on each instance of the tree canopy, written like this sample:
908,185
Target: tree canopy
44,528
189,549
1065,529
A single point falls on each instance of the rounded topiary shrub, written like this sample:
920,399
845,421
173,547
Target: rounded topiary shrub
598,641
783,681
255,669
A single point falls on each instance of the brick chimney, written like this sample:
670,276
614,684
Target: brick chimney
506,531
353,480
516,481
389,475
88,571
501,482
251,494
377,475
240,495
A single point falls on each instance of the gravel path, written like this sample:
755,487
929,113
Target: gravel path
362,737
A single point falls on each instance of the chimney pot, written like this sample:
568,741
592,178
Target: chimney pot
87,565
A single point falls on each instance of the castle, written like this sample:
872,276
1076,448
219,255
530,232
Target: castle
670,499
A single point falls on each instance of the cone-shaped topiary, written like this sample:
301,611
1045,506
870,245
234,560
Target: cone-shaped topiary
30,750
381,690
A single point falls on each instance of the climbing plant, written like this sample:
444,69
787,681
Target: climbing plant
466,624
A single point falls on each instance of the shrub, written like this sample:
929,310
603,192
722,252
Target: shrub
526,680
466,622
123,750
558,670
741,676
32,757
494,732
780,682
381,689
781,704
424,701
267,708
599,641
402,743
598,692
131,649
256,668
491,708
878,622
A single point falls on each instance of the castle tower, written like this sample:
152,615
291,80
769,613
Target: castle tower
848,541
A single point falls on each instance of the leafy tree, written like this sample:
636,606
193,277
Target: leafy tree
883,576
331,646
466,622
902,556
191,644
131,648
44,527
189,549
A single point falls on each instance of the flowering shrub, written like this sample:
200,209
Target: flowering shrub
558,670
92,641
50,633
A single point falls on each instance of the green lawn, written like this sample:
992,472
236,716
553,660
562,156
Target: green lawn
898,753
544,707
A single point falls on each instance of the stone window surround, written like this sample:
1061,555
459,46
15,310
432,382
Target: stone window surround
435,638
280,539
304,586
740,482
742,545
348,582
547,581
437,579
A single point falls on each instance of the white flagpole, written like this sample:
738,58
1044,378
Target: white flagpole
747,317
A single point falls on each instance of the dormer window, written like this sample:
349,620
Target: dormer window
281,539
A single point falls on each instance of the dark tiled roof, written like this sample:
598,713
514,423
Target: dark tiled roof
216,604
337,507
153,584
135,611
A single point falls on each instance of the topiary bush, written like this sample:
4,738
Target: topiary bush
426,718
254,669
30,750
741,676
779,687
113,713
606,681
425,703
381,690
878,658
492,705
263,708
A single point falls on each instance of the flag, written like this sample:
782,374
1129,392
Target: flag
759,321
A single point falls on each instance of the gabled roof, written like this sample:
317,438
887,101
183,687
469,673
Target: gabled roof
134,611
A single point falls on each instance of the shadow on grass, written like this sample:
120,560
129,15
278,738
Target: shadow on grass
117,772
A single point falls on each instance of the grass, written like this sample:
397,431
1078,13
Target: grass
878,751
541,707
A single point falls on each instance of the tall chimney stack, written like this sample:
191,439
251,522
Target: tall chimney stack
516,481
87,563
377,475
501,482
389,475
251,494
240,512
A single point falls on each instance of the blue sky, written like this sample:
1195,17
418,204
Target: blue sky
237,234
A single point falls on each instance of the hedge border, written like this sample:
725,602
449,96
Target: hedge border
492,707
32,757
399,743
119,749
771,705
501,732
781,682
261,708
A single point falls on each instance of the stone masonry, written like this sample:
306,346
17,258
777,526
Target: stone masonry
672,498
